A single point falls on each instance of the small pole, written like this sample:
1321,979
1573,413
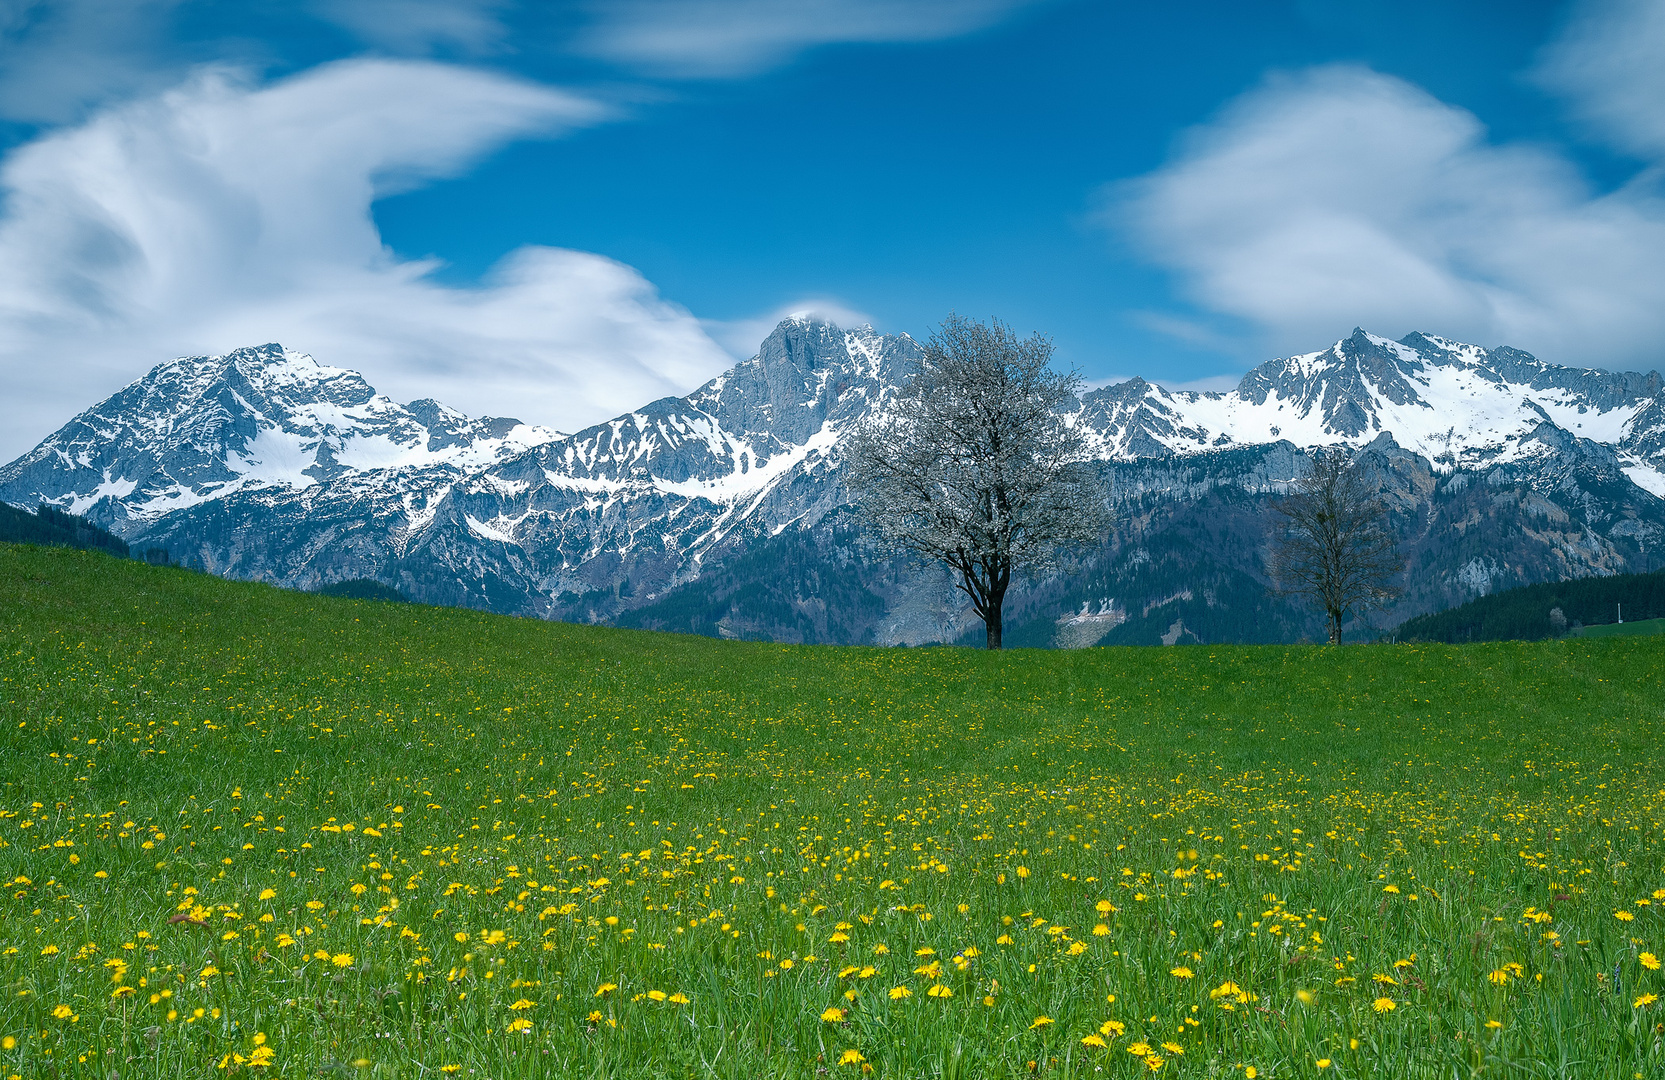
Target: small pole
1621,614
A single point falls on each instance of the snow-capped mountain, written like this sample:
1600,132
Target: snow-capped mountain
724,511
1458,405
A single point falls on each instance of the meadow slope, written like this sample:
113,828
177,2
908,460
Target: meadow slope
249,832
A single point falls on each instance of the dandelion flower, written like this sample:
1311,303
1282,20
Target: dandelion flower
1040,1022
851,1057
1322,1063
897,993
518,1024
523,1004
341,960
1649,961
1384,1005
1182,973
1498,977
1645,999
1624,916
678,999
605,988
833,1016
653,995
1094,1040
938,990
1494,1024
1112,1027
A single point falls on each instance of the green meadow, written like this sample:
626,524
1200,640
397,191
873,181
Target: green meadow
248,832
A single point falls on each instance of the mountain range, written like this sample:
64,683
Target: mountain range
724,512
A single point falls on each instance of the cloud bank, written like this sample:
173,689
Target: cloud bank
1340,196
222,214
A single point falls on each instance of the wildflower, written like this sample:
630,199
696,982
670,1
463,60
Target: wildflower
938,990
851,1057
341,960
1498,977
1003,939
678,999
450,1068
1645,999
1104,907
1494,1024
1322,1063
833,1016
1250,1071
63,1012
1112,1028
605,988
1649,961
518,1024
1384,1005
123,992
653,995
1624,916
523,1004
1094,1040
1040,1022
1023,871
1182,973
1077,948
1100,930
594,1017
897,993
268,894
1139,1049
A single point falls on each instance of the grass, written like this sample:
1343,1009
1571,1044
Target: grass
1629,629
256,833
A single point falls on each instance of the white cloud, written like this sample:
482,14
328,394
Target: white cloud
1341,197
220,214
741,337
723,38
1611,62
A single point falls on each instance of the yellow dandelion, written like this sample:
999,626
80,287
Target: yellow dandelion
897,993
1182,973
851,1057
1040,1022
833,1016
1094,1040
1384,1005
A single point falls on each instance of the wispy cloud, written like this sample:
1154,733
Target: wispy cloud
59,56
1339,196
223,214
1610,62
418,27
727,38
742,336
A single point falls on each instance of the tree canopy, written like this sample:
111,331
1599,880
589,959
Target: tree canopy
975,462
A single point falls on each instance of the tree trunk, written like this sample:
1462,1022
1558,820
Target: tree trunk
1335,628
991,617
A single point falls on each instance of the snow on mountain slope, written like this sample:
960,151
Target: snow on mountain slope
263,464
1458,405
266,419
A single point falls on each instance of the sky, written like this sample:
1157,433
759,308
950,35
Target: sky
560,211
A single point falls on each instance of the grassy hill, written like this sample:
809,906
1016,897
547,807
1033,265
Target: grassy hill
296,835
1528,613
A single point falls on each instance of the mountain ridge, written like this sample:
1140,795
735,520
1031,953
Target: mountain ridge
264,464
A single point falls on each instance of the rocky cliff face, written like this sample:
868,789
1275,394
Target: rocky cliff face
723,512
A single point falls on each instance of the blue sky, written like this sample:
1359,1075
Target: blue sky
560,211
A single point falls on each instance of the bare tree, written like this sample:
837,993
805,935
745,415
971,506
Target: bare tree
975,464
1334,549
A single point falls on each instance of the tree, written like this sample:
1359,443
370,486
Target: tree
974,463
1333,549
